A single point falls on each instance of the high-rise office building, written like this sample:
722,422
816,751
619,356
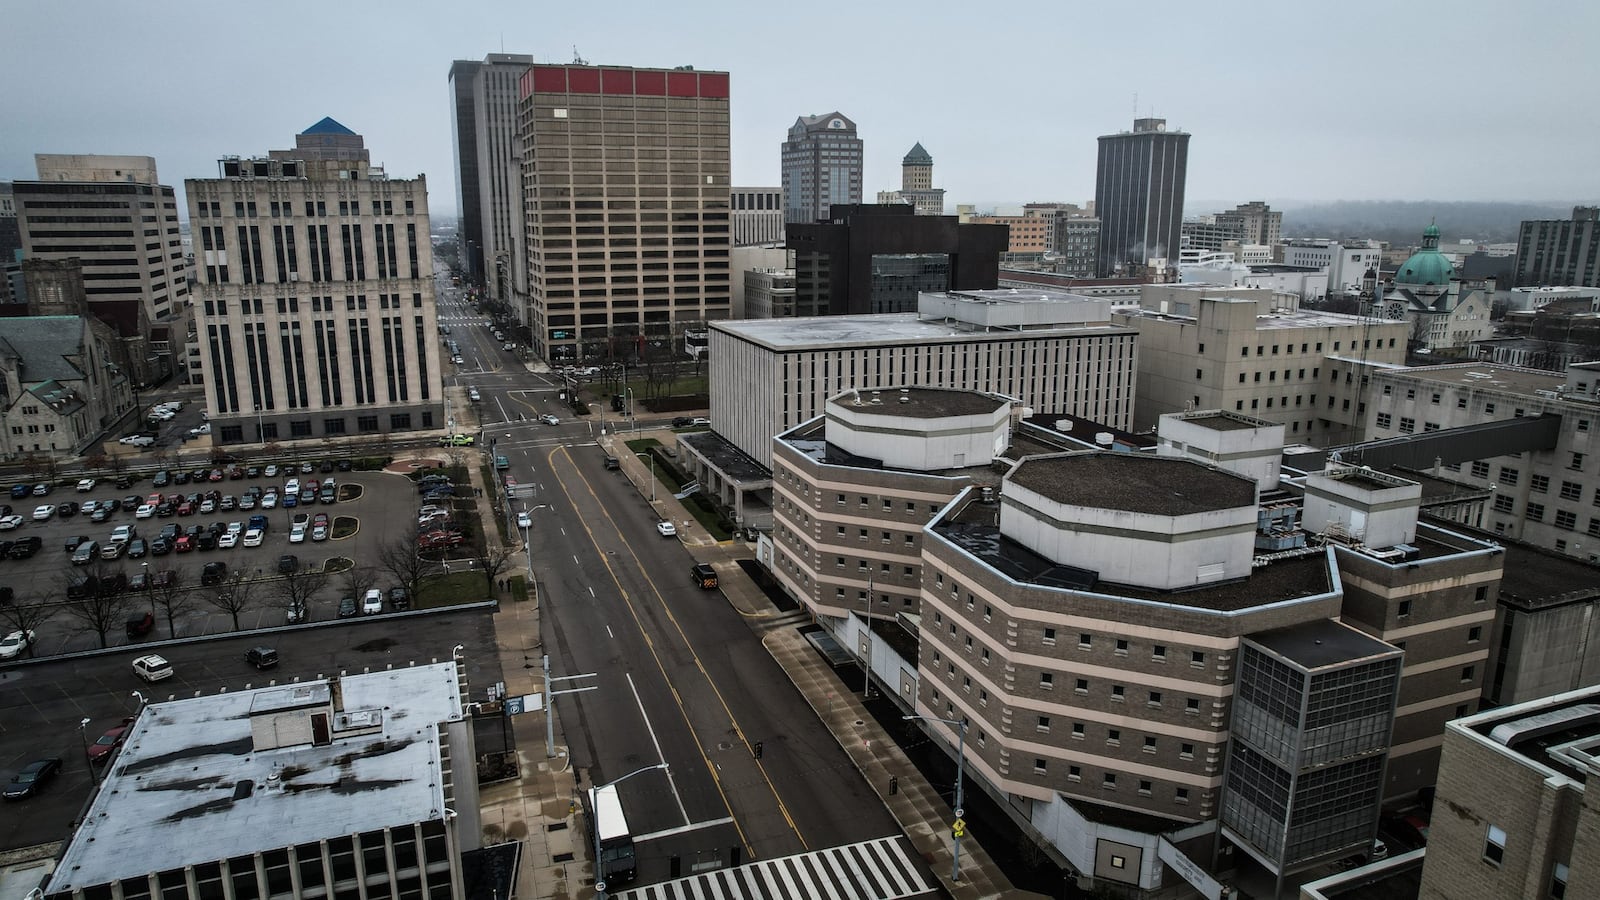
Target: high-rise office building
1139,195
757,215
120,222
625,179
821,166
483,100
1560,251
315,294
1255,222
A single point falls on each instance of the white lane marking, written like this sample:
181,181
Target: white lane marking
673,782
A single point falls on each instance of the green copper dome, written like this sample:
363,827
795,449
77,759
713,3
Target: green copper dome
1426,266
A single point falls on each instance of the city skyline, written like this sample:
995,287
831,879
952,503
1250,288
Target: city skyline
1255,126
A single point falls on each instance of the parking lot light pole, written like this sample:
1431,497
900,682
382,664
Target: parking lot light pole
961,772
146,567
599,869
83,736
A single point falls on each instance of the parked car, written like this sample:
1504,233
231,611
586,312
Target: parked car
85,485
43,513
347,607
32,778
399,598
100,751
666,529
262,657
138,549
7,523
549,419
25,547
140,625
372,602
14,643
152,668
288,563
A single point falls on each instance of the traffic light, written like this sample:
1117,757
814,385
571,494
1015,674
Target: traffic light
758,749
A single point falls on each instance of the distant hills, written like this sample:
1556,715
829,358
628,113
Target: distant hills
1401,221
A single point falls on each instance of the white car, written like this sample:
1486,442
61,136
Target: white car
201,429
272,471
85,485
228,540
457,360
137,440
208,505
524,520
252,538
235,527
509,346
549,419
297,535
473,395
292,486
269,501
667,529
43,513
144,511
372,602
152,668
123,534
15,643
8,523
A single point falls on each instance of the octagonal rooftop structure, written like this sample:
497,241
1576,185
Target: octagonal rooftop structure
1158,522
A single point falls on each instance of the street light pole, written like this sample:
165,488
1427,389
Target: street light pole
961,777
84,738
866,682
599,868
147,588
652,474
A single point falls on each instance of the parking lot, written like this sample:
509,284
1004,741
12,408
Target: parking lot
42,704
380,512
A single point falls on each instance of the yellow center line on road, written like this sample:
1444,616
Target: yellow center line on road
639,623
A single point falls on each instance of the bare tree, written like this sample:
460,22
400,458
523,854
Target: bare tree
357,580
96,603
26,616
235,595
172,596
399,557
297,588
491,559
96,464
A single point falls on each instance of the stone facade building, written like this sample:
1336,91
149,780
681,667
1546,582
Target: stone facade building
315,298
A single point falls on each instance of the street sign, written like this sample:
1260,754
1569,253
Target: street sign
959,828
516,706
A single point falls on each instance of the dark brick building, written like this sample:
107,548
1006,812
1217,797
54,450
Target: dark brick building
872,258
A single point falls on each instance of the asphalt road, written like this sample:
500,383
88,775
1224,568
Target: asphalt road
41,704
680,677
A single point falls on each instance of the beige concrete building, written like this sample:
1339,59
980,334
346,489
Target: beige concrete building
916,183
625,174
768,293
316,307
757,215
845,530
1254,352
1545,497
1512,816
488,158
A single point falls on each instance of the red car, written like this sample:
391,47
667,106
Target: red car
184,544
185,509
216,475
101,750
437,540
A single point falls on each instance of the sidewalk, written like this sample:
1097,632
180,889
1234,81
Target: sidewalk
923,815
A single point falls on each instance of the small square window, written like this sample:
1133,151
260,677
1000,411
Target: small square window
1494,846
1117,691
1040,767
1082,686
1050,636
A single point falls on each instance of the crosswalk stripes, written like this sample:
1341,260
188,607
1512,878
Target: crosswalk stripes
881,869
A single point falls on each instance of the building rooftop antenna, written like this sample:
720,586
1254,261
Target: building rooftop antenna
576,59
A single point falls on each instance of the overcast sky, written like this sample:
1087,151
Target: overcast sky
1292,103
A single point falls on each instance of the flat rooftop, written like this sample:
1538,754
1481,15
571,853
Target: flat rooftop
1266,321
1155,485
1534,578
1225,421
1559,734
883,330
921,402
1481,376
1314,645
189,786
735,464
811,439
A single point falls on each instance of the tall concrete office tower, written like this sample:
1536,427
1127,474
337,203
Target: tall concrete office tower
1138,194
821,167
483,106
626,182
315,295
113,214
